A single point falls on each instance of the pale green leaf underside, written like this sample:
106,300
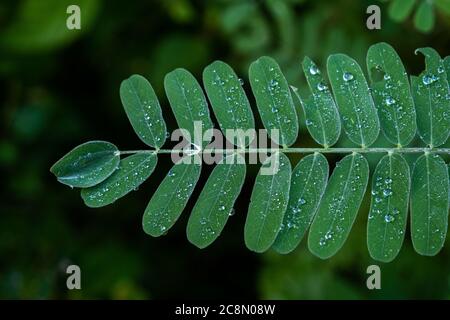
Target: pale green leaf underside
132,171
432,100
188,103
274,100
308,182
170,199
391,93
87,164
228,100
268,204
353,99
215,203
389,208
322,117
339,206
143,110
429,204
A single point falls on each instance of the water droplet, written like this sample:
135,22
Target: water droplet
241,81
441,69
347,76
387,192
390,101
314,70
386,77
221,208
388,218
301,201
308,122
321,86
427,79
171,173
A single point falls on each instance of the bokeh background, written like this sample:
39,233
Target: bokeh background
59,88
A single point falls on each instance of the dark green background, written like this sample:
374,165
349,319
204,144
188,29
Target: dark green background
59,88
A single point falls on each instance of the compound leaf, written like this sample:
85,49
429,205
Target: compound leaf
308,182
228,100
353,100
339,206
132,171
216,201
429,204
143,110
274,100
432,99
391,94
170,199
87,164
268,203
389,207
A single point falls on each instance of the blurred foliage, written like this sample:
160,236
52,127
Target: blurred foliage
59,88
425,12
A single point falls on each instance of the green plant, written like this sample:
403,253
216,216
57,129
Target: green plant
285,204
424,17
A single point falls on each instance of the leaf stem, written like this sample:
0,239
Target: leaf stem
300,150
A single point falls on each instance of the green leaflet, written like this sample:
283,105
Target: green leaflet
215,203
447,68
429,204
322,117
143,110
133,170
268,203
424,17
339,206
391,94
188,104
432,99
389,208
274,100
399,10
228,100
170,199
353,100
87,164
308,183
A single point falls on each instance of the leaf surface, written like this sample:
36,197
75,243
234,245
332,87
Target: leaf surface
308,182
188,103
268,203
216,201
353,99
389,207
432,99
391,93
132,171
274,100
429,204
170,199
87,164
228,100
339,206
